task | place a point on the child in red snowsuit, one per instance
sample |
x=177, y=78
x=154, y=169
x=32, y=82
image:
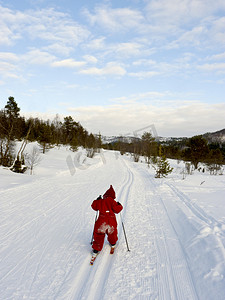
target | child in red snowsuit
x=106, y=222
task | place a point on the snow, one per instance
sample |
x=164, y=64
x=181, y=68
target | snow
x=175, y=230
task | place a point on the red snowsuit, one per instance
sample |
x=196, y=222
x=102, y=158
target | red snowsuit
x=106, y=222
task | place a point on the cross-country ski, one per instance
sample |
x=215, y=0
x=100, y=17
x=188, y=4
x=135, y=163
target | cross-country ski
x=93, y=258
x=94, y=255
x=112, y=250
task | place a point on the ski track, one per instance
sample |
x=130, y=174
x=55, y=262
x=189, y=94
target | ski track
x=175, y=270
x=204, y=218
x=163, y=274
x=172, y=267
x=46, y=251
x=209, y=232
x=91, y=280
x=196, y=221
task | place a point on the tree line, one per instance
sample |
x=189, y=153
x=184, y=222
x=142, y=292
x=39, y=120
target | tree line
x=147, y=147
x=194, y=150
x=198, y=149
x=14, y=127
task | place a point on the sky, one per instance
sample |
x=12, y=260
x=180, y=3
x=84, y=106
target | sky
x=116, y=66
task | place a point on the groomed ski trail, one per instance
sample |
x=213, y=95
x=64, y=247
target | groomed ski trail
x=91, y=280
x=177, y=248
x=160, y=268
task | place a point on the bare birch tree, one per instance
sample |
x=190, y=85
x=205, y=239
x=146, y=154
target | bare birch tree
x=33, y=158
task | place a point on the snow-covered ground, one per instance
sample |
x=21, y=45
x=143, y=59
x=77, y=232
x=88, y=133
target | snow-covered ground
x=175, y=230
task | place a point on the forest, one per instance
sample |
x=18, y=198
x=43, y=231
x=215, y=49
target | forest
x=14, y=127
x=193, y=151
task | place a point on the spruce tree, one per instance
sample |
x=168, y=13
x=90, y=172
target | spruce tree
x=148, y=146
x=163, y=167
x=11, y=108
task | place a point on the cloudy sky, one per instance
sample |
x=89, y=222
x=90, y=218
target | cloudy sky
x=116, y=66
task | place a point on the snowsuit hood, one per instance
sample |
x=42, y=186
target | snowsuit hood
x=110, y=193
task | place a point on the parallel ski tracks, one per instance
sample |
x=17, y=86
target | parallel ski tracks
x=197, y=220
x=208, y=222
x=90, y=281
x=172, y=264
x=205, y=218
x=176, y=267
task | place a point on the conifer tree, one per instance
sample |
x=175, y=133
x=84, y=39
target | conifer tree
x=11, y=108
x=197, y=150
x=163, y=167
x=45, y=136
x=148, y=146
x=8, y=131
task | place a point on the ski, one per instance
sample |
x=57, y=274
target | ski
x=112, y=250
x=93, y=258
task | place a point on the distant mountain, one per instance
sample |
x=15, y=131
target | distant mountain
x=215, y=137
x=115, y=139
x=211, y=137
x=131, y=139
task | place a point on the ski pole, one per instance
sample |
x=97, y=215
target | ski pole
x=99, y=197
x=124, y=233
x=96, y=216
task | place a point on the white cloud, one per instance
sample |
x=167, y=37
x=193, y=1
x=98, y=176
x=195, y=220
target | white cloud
x=90, y=58
x=220, y=56
x=59, y=49
x=8, y=56
x=114, y=20
x=111, y=68
x=54, y=26
x=69, y=63
x=217, y=67
x=185, y=119
x=144, y=74
x=152, y=95
x=9, y=67
x=170, y=25
x=150, y=68
x=144, y=62
x=47, y=25
x=4, y=66
x=118, y=50
x=96, y=44
x=217, y=31
x=169, y=12
x=182, y=11
x=36, y=56
x=181, y=23
x=8, y=33
x=193, y=37
x=9, y=70
x=128, y=49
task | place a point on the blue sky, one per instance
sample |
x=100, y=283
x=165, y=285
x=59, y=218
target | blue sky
x=116, y=66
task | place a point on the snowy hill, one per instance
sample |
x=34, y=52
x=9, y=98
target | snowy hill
x=175, y=230
x=217, y=136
